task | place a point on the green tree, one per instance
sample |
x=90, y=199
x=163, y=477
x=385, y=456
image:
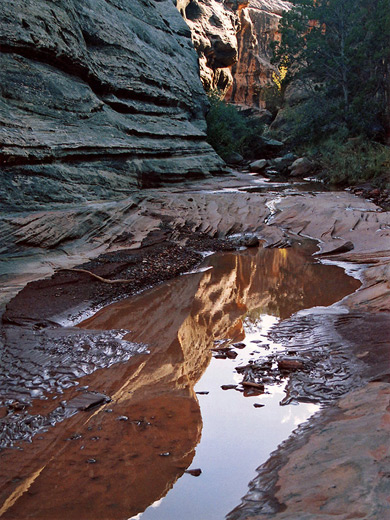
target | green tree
x=340, y=50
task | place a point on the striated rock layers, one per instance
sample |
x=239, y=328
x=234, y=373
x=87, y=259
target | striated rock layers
x=97, y=98
x=253, y=71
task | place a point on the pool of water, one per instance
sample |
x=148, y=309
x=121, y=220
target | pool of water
x=236, y=437
x=233, y=301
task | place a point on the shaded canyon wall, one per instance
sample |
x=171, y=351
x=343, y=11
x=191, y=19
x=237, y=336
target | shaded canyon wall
x=97, y=98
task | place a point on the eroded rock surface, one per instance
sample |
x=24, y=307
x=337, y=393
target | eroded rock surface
x=214, y=25
x=346, y=346
x=335, y=468
x=97, y=98
x=254, y=71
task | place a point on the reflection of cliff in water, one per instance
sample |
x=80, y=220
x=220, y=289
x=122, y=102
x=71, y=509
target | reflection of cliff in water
x=115, y=462
x=200, y=308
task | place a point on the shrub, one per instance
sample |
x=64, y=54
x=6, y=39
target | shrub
x=355, y=161
x=229, y=131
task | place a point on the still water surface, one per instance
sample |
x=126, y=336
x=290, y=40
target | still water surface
x=237, y=299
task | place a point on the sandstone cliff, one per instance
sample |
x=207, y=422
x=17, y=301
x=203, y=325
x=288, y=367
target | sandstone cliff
x=253, y=71
x=97, y=98
x=232, y=38
x=214, y=25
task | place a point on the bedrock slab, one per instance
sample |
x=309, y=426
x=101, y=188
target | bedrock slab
x=37, y=242
x=338, y=468
x=348, y=441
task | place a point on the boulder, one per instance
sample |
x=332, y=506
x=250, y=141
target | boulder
x=243, y=240
x=266, y=148
x=301, y=167
x=272, y=144
x=235, y=158
x=258, y=166
x=282, y=164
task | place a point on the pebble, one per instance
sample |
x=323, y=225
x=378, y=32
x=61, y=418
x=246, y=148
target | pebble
x=229, y=387
x=287, y=364
x=231, y=354
x=194, y=472
x=251, y=384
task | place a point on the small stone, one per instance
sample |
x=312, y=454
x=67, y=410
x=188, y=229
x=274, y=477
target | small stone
x=202, y=393
x=229, y=387
x=91, y=461
x=194, y=472
x=290, y=364
x=74, y=437
x=165, y=454
x=231, y=354
x=220, y=356
x=251, y=384
x=122, y=418
x=258, y=405
x=239, y=345
x=86, y=401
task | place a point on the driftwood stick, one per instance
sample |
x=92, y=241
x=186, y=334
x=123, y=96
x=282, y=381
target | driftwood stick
x=104, y=280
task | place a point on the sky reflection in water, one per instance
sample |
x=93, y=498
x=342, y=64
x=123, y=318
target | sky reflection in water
x=236, y=436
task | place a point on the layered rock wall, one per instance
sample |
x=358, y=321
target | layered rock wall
x=97, y=97
x=253, y=70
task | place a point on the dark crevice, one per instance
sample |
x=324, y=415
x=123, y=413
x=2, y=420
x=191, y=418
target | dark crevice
x=101, y=156
x=123, y=108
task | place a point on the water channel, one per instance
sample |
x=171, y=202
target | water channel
x=183, y=433
x=186, y=399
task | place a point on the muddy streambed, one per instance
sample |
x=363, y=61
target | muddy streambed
x=195, y=402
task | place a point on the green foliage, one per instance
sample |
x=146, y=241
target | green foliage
x=228, y=131
x=341, y=50
x=355, y=161
x=313, y=120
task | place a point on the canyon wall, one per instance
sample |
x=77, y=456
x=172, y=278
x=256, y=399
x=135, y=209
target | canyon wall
x=214, y=25
x=253, y=71
x=97, y=98
x=233, y=39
